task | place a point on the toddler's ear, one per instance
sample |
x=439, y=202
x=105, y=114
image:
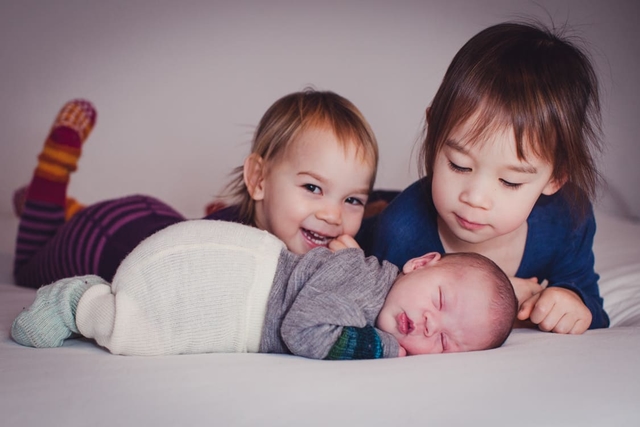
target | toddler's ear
x=553, y=186
x=420, y=262
x=253, y=173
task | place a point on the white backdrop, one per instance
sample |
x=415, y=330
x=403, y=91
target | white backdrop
x=179, y=85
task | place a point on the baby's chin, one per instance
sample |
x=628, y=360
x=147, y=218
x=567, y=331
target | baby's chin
x=416, y=352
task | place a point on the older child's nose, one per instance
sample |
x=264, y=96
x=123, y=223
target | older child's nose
x=477, y=194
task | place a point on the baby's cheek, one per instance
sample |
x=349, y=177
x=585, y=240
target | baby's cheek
x=419, y=346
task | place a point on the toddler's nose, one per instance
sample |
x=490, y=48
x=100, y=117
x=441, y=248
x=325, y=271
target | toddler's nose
x=331, y=213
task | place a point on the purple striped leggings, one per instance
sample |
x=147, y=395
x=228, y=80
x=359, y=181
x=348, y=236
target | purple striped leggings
x=94, y=241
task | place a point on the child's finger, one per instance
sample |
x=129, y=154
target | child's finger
x=343, y=241
x=580, y=326
x=546, y=314
x=336, y=245
x=527, y=306
x=565, y=324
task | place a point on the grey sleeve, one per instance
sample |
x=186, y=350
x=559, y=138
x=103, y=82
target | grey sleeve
x=348, y=290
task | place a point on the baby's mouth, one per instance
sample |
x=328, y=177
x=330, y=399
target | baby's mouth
x=315, y=238
x=405, y=324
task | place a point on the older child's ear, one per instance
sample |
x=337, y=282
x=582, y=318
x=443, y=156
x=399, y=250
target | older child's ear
x=253, y=174
x=420, y=262
x=553, y=186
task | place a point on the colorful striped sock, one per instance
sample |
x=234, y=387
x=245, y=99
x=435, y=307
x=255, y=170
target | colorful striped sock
x=61, y=151
x=43, y=206
x=71, y=206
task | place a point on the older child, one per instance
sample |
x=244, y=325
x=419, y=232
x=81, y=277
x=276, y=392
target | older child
x=508, y=160
x=215, y=286
x=312, y=164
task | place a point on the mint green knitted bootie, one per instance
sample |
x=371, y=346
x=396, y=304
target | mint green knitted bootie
x=52, y=317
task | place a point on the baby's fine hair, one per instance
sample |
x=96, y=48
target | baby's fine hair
x=287, y=119
x=504, y=303
x=529, y=78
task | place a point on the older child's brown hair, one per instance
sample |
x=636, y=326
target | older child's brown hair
x=523, y=76
x=287, y=118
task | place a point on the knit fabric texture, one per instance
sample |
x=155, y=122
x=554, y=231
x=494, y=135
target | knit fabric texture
x=357, y=343
x=51, y=318
x=194, y=287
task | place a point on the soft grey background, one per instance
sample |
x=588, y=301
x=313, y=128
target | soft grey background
x=179, y=85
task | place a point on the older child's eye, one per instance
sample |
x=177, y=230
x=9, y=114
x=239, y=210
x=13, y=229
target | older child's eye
x=312, y=188
x=354, y=201
x=457, y=168
x=512, y=185
x=440, y=299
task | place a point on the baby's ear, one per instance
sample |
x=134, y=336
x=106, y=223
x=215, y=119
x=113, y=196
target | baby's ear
x=253, y=174
x=421, y=262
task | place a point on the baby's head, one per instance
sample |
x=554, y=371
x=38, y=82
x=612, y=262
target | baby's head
x=312, y=165
x=449, y=303
x=534, y=83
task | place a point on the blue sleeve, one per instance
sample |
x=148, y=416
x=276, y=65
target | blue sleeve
x=406, y=229
x=574, y=270
x=560, y=250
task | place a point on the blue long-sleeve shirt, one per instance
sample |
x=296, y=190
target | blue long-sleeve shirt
x=558, y=249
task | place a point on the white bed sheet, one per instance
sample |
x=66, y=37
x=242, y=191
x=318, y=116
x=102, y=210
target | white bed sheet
x=535, y=379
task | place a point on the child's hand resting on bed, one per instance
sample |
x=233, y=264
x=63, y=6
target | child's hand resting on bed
x=557, y=310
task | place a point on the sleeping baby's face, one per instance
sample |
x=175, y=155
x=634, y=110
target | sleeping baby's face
x=432, y=308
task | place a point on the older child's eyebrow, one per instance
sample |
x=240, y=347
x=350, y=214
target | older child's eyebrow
x=456, y=145
x=521, y=168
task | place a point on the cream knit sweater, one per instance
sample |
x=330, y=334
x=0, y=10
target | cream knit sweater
x=195, y=287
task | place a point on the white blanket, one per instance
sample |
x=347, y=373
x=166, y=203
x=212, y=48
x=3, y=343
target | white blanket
x=535, y=379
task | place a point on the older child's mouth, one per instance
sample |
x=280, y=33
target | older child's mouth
x=405, y=325
x=468, y=225
x=315, y=238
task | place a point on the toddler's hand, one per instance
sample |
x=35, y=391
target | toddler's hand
x=343, y=242
x=402, y=352
x=558, y=310
x=525, y=288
